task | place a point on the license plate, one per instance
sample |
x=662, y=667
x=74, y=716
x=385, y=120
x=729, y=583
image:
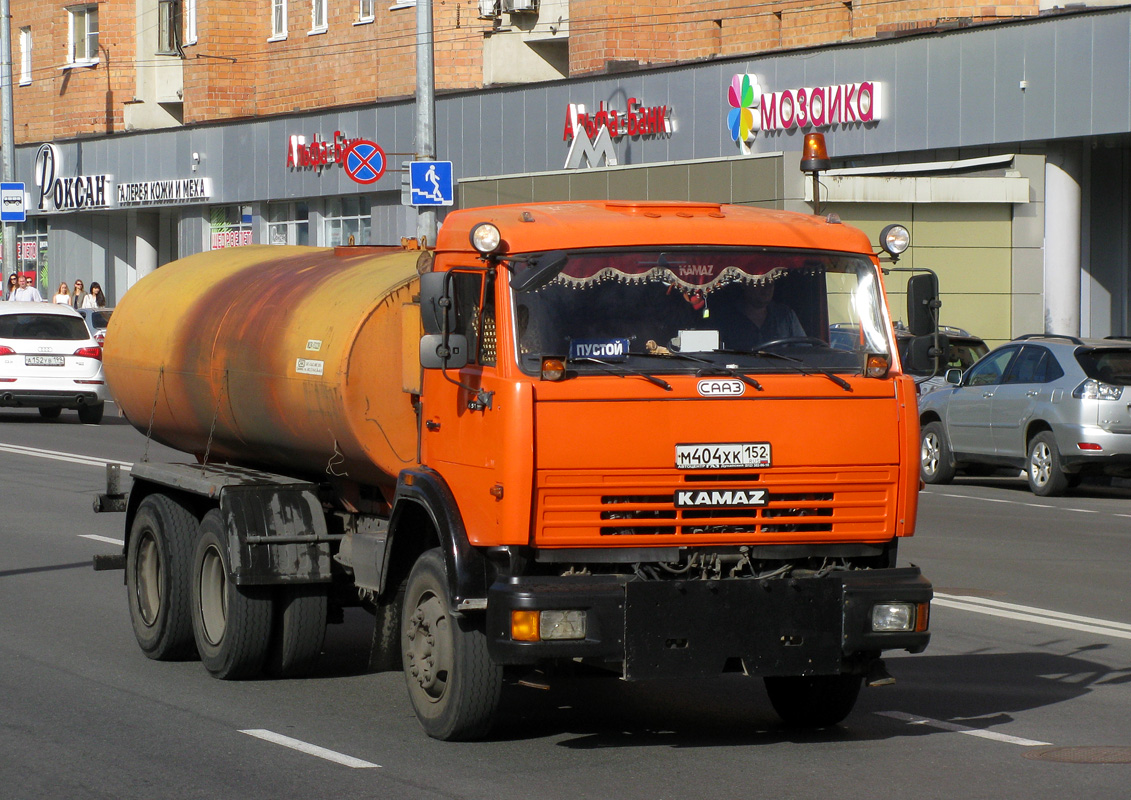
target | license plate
x=722, y=456
x=44, y=361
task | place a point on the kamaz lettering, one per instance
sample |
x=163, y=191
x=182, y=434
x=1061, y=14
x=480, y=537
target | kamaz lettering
x=725, y=498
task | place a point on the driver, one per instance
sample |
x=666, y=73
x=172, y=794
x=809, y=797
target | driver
x=758, y=318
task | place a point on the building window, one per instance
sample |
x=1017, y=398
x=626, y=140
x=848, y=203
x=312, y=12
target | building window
x=82, y=35
x=365, y=10
x=288, y=223
x=25, y=56
x=317, y=16
x=168, y=27
x=230, y=227
x=346, y=218
x=278, y=19
x=188, y=22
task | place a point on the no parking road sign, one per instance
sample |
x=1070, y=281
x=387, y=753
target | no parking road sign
x=365, y=161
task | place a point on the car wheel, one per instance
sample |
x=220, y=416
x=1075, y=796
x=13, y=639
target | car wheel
x=935, y=464
x=1046, y=478
x=91, y=415
x=50, y=413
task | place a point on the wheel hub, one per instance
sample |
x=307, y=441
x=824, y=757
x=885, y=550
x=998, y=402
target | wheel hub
x=426, y=650
x=1040, y=466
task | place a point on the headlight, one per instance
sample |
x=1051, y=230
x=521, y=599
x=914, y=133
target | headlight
x=535, y=626
x=486, y=238
x=893, y=617
x=894, y=239
x=1097, y=390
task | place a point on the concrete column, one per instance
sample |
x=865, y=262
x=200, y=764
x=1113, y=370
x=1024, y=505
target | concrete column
x=144, y=232
x=1062, y=243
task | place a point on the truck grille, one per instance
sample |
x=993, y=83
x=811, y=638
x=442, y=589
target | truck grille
x=801, y=506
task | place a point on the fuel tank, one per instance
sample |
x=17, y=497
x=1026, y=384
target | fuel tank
x=288, y=359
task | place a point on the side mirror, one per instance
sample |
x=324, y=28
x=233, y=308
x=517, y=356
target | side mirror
x=434, y=354
x=922, y=303
x=922, y=356
x=435, y=302
x=540, y=271
x=954, y=375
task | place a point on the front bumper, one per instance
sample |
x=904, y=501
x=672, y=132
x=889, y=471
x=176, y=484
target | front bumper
x=699, y=628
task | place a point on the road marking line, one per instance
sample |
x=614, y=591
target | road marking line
x=912, y=719
x=98, y=538
x=1020, y=503
x=1055, y=619
x=55, y=455
x=310, y=749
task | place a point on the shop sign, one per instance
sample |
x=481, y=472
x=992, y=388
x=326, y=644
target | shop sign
x=167, y=192
x=319, y=153
x=232, y=238
x=752, y=110
x=58, y=193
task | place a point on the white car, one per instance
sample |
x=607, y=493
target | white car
x=50, y=360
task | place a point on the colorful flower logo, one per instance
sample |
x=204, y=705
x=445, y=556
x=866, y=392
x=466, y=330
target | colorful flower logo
x=743, y=97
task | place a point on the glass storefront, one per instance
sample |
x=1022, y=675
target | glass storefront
x=347, y=218
x=288, y=223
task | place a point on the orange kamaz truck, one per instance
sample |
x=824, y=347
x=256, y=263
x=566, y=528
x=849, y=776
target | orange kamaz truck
x=666, y=440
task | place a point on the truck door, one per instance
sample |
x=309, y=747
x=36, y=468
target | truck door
x=471, y=430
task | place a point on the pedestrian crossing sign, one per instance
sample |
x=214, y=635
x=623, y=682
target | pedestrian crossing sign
x=430, y=183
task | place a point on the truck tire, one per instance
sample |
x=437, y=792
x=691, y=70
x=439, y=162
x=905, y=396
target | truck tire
x=299, y=630
x=385, y=649
x=231, y=624
x=91, y=415
x=50, y=412
x=935, y=464
x=454, y=686
x=158, y=560
x=813, y=702
x=1046, y=478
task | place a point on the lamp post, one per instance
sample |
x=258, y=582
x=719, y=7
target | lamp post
x=425, y=111
x=8, y=132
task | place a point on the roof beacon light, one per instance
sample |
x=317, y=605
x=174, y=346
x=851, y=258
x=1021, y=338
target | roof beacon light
x=814, y=158
x=486, y=238
x=814, y=154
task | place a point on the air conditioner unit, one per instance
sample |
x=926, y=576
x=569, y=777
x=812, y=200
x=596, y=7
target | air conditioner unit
x=488, y=9
x=520, y=6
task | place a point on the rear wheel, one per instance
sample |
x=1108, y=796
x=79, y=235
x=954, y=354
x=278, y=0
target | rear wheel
x=299, y=630
x=1046, y=478
x=51, y=412
x=813, y=702
x=91, y=415
x=231, y=624
x=454, y=686
x=158, y=565
x=936, y=464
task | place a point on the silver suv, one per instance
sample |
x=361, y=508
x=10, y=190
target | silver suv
x=1055, y=406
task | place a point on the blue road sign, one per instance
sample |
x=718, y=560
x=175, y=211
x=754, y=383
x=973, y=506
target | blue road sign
x=430, y=183
x=12, y=203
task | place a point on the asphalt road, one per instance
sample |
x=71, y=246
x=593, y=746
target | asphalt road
x=1023, y=685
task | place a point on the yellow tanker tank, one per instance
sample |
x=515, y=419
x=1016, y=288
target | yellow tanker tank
x=286, y=358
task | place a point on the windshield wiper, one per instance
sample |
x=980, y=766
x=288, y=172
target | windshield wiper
x=799, y=365
x=622, y=370
x=722, y=368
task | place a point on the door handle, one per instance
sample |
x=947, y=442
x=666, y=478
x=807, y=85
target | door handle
x=987, y=394
x=1032, y=393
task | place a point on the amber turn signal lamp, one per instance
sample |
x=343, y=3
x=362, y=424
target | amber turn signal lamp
x=524, y=625
x=922, y=617
x=877, y=366
x=553, y=369
x=814, y=154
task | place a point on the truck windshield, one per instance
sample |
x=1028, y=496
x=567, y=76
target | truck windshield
x=739, y=307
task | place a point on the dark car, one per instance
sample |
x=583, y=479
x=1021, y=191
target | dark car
x=963, y=351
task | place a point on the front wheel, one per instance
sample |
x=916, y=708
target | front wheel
x=454, y=686
x=935, y=462
x=1046, y=478
x=231, y=624
x=813, y=702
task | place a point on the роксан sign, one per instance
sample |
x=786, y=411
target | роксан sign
x=58, y=193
